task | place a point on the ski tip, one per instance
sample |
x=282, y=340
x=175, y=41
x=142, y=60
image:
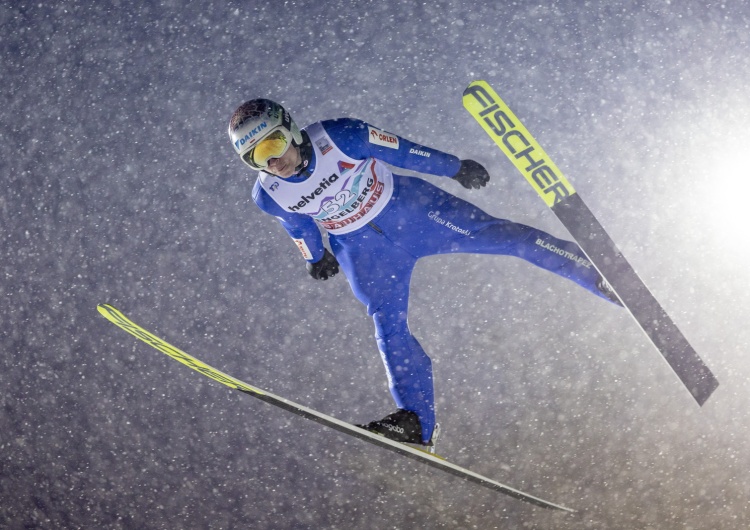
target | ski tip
x=110, y=312
x=105, y=309
x=473, y=84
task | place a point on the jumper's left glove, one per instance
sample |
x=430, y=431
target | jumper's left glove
x=472, y=175
x=324, y=268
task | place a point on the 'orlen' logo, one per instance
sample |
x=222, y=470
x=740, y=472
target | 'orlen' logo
x=250, y=135
x=302, y=246
x=383, y=138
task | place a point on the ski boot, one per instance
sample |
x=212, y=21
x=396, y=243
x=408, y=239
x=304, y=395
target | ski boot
x=403, y=426
x=606, y=289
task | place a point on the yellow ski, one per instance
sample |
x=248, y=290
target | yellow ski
x=507, y=131
x=119, y=319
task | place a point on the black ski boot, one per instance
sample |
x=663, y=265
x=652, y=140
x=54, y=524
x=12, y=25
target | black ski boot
x=402, y=426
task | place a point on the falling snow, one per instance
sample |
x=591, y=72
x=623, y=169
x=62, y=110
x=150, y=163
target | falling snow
x=121, y=186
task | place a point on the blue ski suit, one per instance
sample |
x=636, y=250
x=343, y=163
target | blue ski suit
x=379, y=224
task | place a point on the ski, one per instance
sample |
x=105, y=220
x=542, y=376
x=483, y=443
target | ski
x=119, y=319
x=526, y=154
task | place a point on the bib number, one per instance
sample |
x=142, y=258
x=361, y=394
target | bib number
x=338, y=202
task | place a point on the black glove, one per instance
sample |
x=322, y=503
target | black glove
x=472, y=175
x=325, y=268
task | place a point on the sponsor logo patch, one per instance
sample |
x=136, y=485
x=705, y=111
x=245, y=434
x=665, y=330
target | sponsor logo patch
x=383, y=138
x=323, y=145
x=302, y=246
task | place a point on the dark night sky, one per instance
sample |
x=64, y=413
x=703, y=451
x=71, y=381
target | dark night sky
x=122, y=187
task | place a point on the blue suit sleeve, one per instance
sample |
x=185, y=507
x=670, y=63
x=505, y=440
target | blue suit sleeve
x=301, y=228
x=361, y=140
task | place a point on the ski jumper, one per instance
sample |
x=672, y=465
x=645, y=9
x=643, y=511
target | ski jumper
x=379, y=224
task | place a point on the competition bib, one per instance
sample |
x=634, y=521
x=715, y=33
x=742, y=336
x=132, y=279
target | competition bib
x=342, y=194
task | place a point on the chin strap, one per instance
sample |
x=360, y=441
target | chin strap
x=305, y=153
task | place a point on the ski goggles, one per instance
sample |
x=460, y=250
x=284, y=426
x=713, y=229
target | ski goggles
x=272, y=146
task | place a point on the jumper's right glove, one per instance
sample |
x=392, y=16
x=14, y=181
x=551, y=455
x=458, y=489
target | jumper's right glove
x=472, y=175
x=324, y=268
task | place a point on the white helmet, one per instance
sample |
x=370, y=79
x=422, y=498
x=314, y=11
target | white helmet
x=257, y=120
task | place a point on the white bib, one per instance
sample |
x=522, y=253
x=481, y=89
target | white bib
x=342, y=194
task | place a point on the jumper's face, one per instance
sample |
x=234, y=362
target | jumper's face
x=285, y=165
